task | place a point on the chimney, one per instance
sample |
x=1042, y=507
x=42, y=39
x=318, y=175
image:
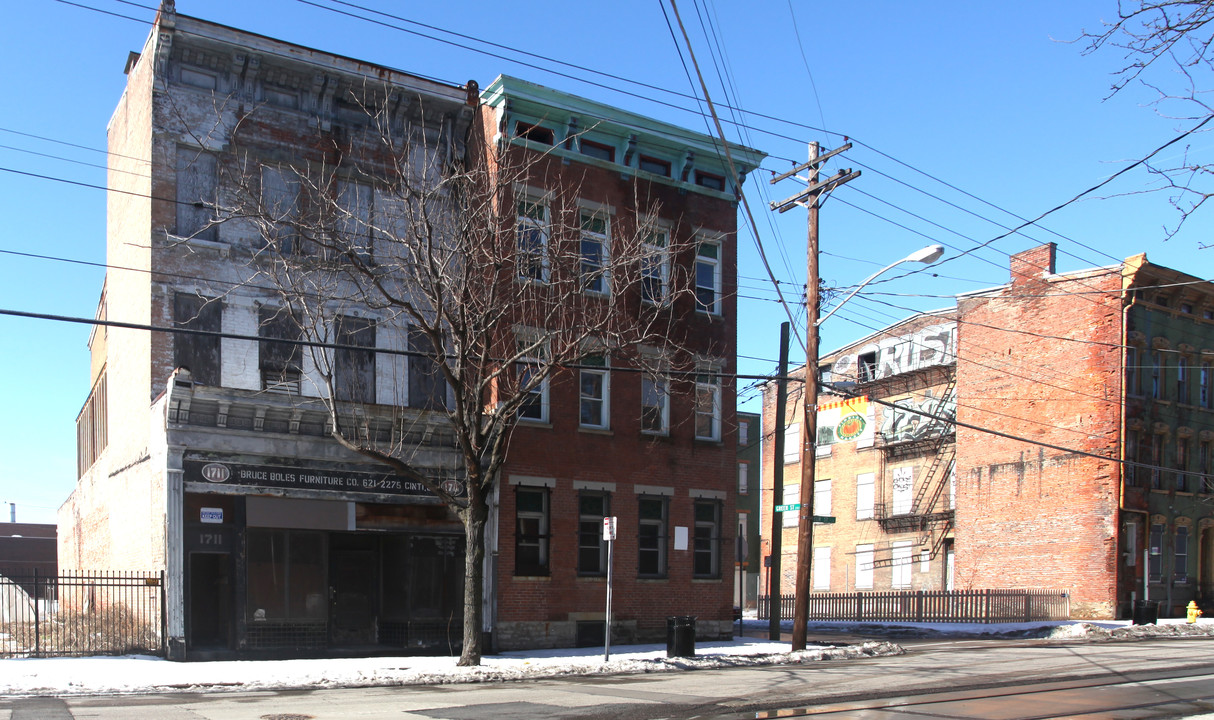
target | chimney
x=1033, y=264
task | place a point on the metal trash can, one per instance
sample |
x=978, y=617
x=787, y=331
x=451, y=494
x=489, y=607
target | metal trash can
x=1146, y=612
x=681, y=636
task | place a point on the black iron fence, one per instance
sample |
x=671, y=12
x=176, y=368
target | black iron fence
x=96, y=613
x=948, y=606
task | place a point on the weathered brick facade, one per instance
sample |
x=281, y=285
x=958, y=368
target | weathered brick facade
x=1083, y=443
x=881, y=539
x=201, y=457
x=1040, y=359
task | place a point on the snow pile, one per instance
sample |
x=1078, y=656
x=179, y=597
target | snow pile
x=143, y=674
x=1094, y=631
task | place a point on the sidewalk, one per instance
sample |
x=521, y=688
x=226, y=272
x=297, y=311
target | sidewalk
x=142, y=674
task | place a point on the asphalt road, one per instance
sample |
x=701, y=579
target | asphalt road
x=1005, y=680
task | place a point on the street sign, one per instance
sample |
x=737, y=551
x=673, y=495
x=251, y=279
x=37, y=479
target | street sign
x=823, y=519
x=787, y=508
x=609, y=528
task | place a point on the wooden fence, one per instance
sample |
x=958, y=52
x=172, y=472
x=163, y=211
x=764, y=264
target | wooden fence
x=941, y=606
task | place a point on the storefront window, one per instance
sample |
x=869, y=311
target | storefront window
x=286, y=576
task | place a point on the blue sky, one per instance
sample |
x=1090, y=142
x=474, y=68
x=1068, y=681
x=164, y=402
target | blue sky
x=988, y=97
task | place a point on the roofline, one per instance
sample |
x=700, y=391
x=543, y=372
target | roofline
x=199, y=27
x=886, y=330
x=506, y=86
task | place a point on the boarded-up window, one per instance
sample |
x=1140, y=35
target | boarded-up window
x=821, y=569
x=901, y=564
x=904, y=487
x=197, y=353
x=354, y=370
x=280, y=202
x=355, y=209
x=196, y=193
x=279, y=361
x=427, y=387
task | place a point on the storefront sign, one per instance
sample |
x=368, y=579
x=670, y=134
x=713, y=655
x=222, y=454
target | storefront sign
x=304, y=478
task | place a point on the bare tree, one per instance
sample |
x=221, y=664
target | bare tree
x=1166, y=47
x=486, y=268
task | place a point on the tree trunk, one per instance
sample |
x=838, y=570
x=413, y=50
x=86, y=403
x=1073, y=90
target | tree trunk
x=474, y=582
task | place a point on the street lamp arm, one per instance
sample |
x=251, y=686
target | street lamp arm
x=927, y=255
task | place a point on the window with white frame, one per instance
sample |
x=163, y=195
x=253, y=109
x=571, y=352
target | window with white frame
x=925, y=561
x=595, y=246
x=792, y=496
x=594, y=391
x=743, y=432
x=822, y=497
x=706, y=551
x=708, y=403
x=651, y=539
x=865, y=494
x=864, y=567
x=821, y=570
x=655, y=404
x=532, y=381
x=531, y=536
x=655, y=267
x=197, y=187
x=592, y=548
x=532, y=237
x=708, y=277
x=901, y=564
x=743, y=478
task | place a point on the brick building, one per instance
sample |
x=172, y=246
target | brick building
x=887, y=484
x=206, y=452
x=1097, y=385
x=749, y=499
x=1110, y=362
x=671, y=440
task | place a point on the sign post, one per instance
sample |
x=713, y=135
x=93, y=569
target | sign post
x=609, y=536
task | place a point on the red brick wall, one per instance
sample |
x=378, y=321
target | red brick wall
x=1040, y=360
x=624, y=455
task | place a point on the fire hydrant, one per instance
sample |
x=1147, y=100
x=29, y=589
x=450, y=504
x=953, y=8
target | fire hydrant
x=1193, y=612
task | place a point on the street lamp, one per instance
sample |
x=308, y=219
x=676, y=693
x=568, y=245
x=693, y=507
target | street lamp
x=927, y=256
x=809, y=423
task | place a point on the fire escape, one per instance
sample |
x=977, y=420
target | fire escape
x=930, y=512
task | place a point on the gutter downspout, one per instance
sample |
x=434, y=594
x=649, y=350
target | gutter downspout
x=1126, y=282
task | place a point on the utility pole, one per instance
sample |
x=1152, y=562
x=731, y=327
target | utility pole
x=811, y=199
x=774, y=577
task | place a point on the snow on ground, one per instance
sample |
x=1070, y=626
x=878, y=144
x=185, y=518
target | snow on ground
x=143, y=674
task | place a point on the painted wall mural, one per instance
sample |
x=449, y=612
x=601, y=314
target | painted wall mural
x=901, y=424
x=934, y=345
